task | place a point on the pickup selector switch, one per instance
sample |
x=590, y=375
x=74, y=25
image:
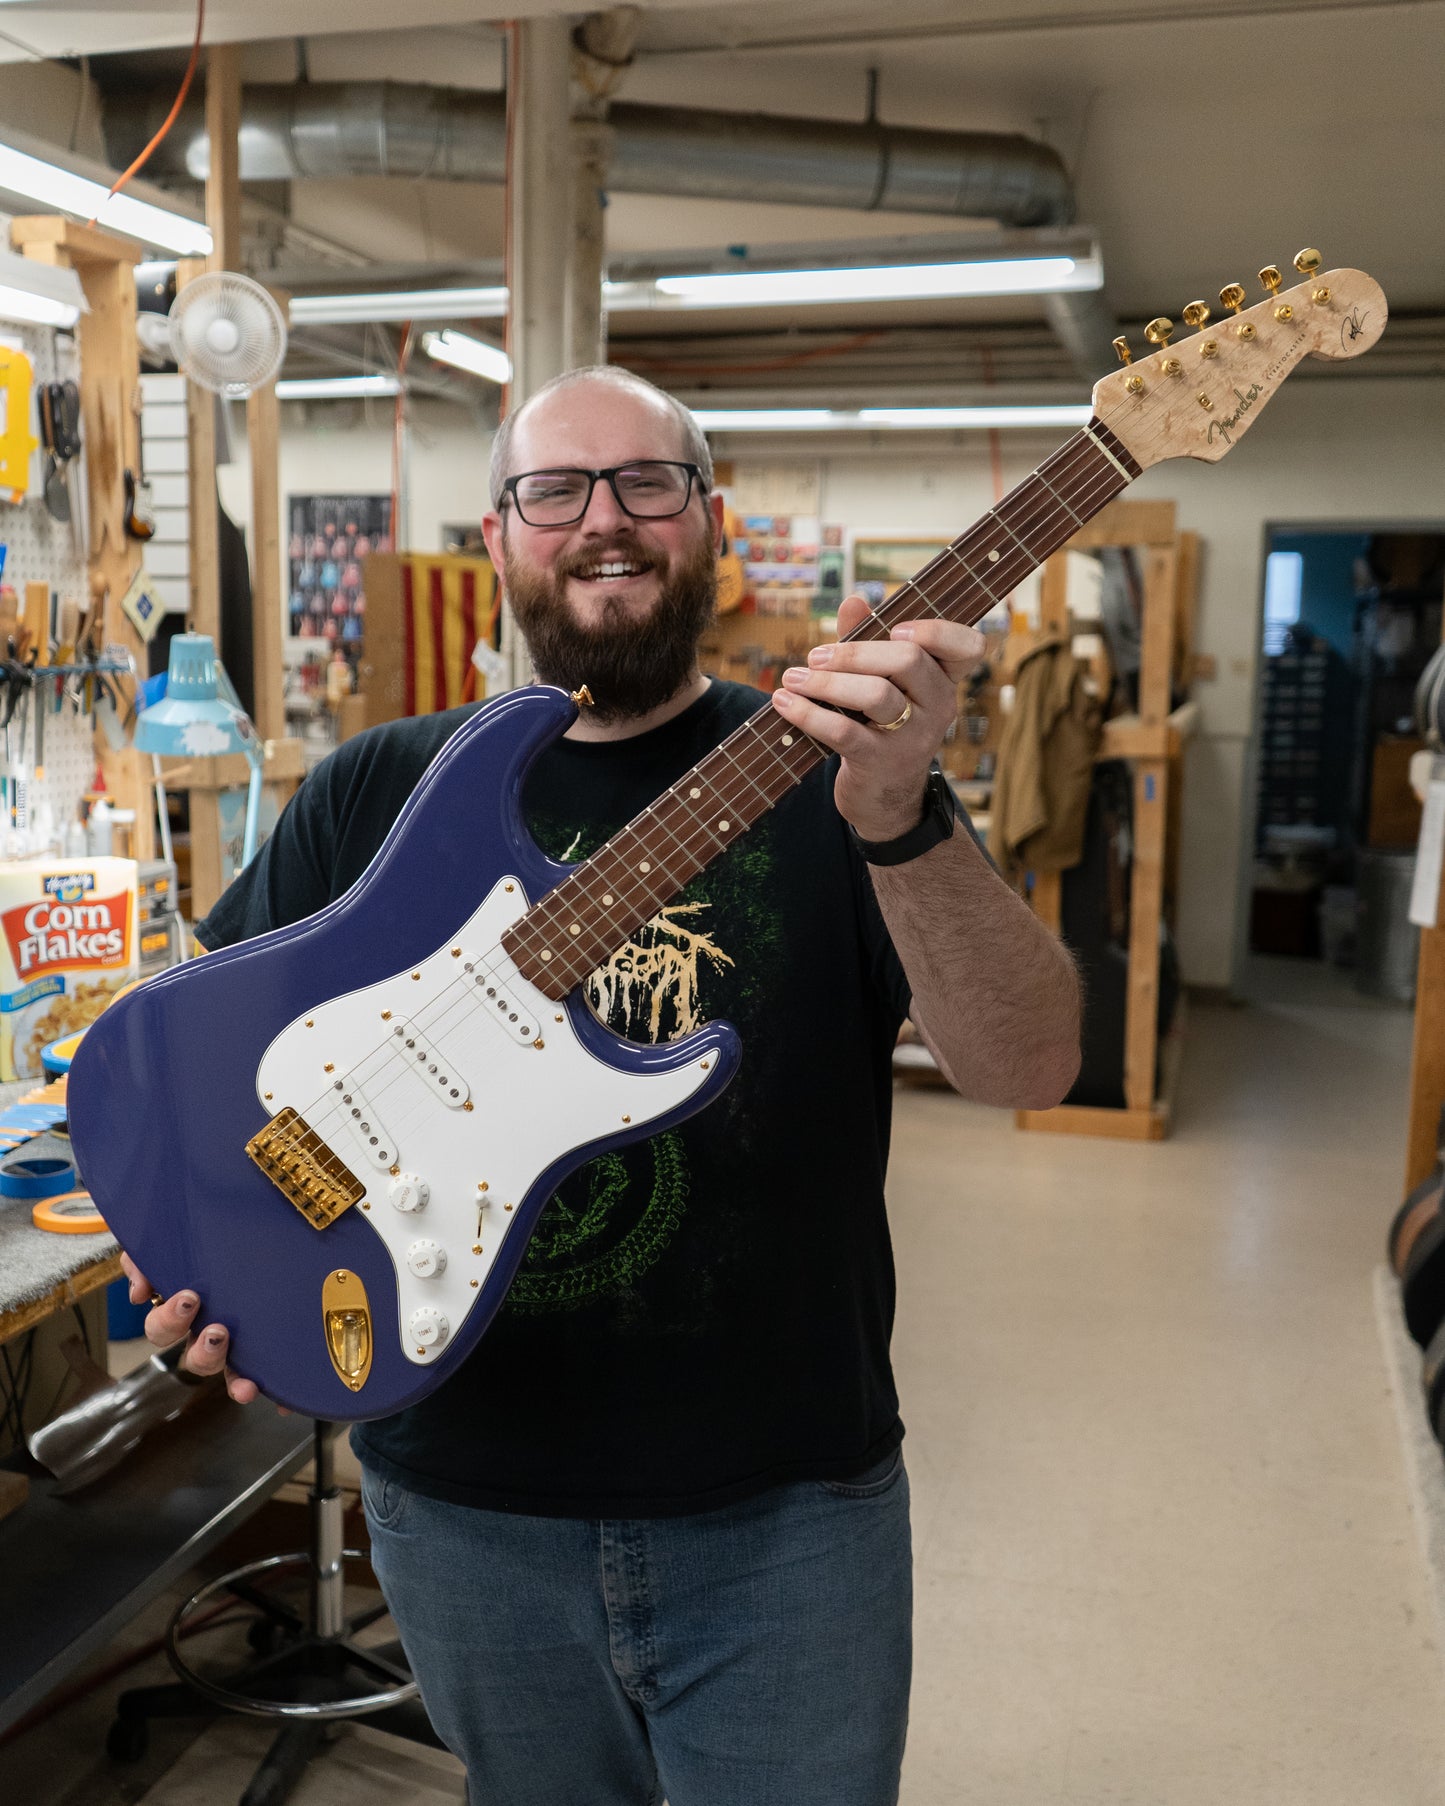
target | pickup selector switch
x=408, y=1192
x=429, y=1327
x=426, y=1259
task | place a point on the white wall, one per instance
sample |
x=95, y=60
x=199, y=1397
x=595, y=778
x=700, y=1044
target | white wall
x=344, y=448
x=1338, y=450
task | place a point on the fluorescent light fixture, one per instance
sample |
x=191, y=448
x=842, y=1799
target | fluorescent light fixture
x=407, y=304
x=884, y=282
x=39, y=294
x=841, y=420
x=53, y=186
x=467, y=353
x=977, y=418
x=335, y=388
x=770, y=420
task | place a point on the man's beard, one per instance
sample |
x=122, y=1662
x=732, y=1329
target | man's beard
x=630, y=665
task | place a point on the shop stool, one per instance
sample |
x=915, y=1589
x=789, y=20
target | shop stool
x=309, y=1672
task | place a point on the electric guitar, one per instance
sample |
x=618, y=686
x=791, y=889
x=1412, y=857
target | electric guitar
x=341, y=1134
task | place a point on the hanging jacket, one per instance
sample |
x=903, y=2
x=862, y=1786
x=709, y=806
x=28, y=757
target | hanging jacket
x=1045, y=764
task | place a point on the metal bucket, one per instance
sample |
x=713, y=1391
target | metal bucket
x=1387, y=948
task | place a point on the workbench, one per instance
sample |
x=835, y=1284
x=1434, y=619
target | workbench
x=75, y=1569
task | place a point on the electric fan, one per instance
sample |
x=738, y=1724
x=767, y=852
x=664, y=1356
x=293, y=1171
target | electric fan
x=226, y=333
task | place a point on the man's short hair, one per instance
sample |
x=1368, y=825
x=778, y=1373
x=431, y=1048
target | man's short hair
x=694, y=441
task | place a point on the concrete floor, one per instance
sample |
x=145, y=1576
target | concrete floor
x=1164, y=1546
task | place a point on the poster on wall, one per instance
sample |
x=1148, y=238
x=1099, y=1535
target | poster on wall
x=329, y=537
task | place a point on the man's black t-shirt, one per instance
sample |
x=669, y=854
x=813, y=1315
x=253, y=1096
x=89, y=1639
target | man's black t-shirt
x=707, y=1313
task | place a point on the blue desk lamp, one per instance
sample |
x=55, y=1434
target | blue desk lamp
x=198, y=715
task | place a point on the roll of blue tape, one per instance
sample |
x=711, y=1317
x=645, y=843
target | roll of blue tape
x=29, y=1173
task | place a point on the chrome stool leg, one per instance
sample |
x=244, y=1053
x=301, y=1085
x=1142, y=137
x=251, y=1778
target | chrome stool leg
x=316, y=1673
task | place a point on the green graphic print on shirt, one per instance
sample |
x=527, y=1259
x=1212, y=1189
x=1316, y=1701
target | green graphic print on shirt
x=609, y=1222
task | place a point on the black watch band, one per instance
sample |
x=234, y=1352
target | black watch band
x=939, y=814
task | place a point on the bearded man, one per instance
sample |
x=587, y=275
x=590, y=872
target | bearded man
x=652, y=1536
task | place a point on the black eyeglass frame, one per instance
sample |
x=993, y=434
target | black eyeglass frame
x=694, y=476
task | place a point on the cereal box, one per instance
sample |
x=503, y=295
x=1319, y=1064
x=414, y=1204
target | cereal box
x=69, y=945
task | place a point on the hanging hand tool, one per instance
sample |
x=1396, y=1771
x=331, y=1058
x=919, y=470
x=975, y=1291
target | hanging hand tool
x=55, y=489
x=65, y=417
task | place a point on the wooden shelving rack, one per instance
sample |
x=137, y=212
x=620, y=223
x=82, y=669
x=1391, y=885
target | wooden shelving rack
x=1154, y=741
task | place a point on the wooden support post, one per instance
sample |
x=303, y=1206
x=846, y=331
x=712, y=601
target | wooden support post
x=109, y=375
x=110, y=429
x=202, y=503
x=1152, y=739
x=223, y=172
x=1151, y=815
x=263, y=439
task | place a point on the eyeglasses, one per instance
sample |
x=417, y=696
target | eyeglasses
x=649, y=490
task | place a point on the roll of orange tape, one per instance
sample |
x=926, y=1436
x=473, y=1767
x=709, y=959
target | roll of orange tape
x=72, y=1213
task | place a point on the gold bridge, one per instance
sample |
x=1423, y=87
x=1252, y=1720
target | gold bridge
x=295, y=1158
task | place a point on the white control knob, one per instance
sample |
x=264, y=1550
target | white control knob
x=408, y=1192
x=429, y=1327
x=426, y=1259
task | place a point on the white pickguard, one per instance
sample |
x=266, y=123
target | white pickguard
x=529, y=1104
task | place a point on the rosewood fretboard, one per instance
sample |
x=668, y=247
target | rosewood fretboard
x=609, y=896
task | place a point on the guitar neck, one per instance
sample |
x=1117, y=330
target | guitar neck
x=608, y=897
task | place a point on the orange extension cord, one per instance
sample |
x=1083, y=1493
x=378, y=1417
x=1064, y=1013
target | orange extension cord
x=171, y=117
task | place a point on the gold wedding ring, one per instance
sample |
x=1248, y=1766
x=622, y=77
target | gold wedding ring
x=892, y=727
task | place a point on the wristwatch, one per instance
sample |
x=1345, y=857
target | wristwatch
x=939, y=814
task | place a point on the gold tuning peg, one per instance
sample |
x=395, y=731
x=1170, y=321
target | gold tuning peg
x=1196, y=314
x=1271, y=278
x=1232, y=297
x=1307, y=262
x=1122, y=351
x=1158, y=331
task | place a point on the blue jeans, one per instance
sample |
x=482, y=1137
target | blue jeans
x=759, y=1655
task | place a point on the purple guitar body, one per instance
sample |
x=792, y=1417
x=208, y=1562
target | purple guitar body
x=359, y=1249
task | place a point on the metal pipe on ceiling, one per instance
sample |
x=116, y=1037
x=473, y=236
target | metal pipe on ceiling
x=348, y=129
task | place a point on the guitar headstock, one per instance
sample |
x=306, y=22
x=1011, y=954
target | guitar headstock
x=1198, y=397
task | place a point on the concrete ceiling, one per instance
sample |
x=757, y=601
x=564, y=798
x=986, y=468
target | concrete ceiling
x=1202, y=144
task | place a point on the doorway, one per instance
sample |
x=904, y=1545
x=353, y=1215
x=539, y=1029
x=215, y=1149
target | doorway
x=1350, y=619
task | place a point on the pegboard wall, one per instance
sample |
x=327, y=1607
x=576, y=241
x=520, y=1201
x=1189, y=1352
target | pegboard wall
x=40, y=549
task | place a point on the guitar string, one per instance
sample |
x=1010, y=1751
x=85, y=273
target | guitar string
x=432, y=1023
x=533, y=937
x=435, y=1026
x=643, y=826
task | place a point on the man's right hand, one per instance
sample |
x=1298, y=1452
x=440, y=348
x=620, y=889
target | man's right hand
x=174, y=1319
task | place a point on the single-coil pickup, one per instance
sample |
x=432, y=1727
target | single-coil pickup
x=430, y=1064
x=494, y=994
x=361, y=1118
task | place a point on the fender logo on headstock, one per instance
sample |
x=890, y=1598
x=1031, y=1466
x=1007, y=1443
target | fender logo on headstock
x=1226, y=423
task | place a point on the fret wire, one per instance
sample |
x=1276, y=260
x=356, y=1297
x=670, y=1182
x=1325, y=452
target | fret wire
x=644, y=898
x=1092, y=467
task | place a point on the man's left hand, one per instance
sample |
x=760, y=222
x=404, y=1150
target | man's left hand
x=916, y=669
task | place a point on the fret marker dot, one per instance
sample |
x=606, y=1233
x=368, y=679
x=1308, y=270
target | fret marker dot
x=608, y=901
x=694, y=793
x=993, y=557
x=576, y=928
x=546, y=954
x=787, y=739
x=723, y=826
x=644, y=867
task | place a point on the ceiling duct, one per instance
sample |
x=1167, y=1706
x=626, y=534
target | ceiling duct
x=349, y=129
